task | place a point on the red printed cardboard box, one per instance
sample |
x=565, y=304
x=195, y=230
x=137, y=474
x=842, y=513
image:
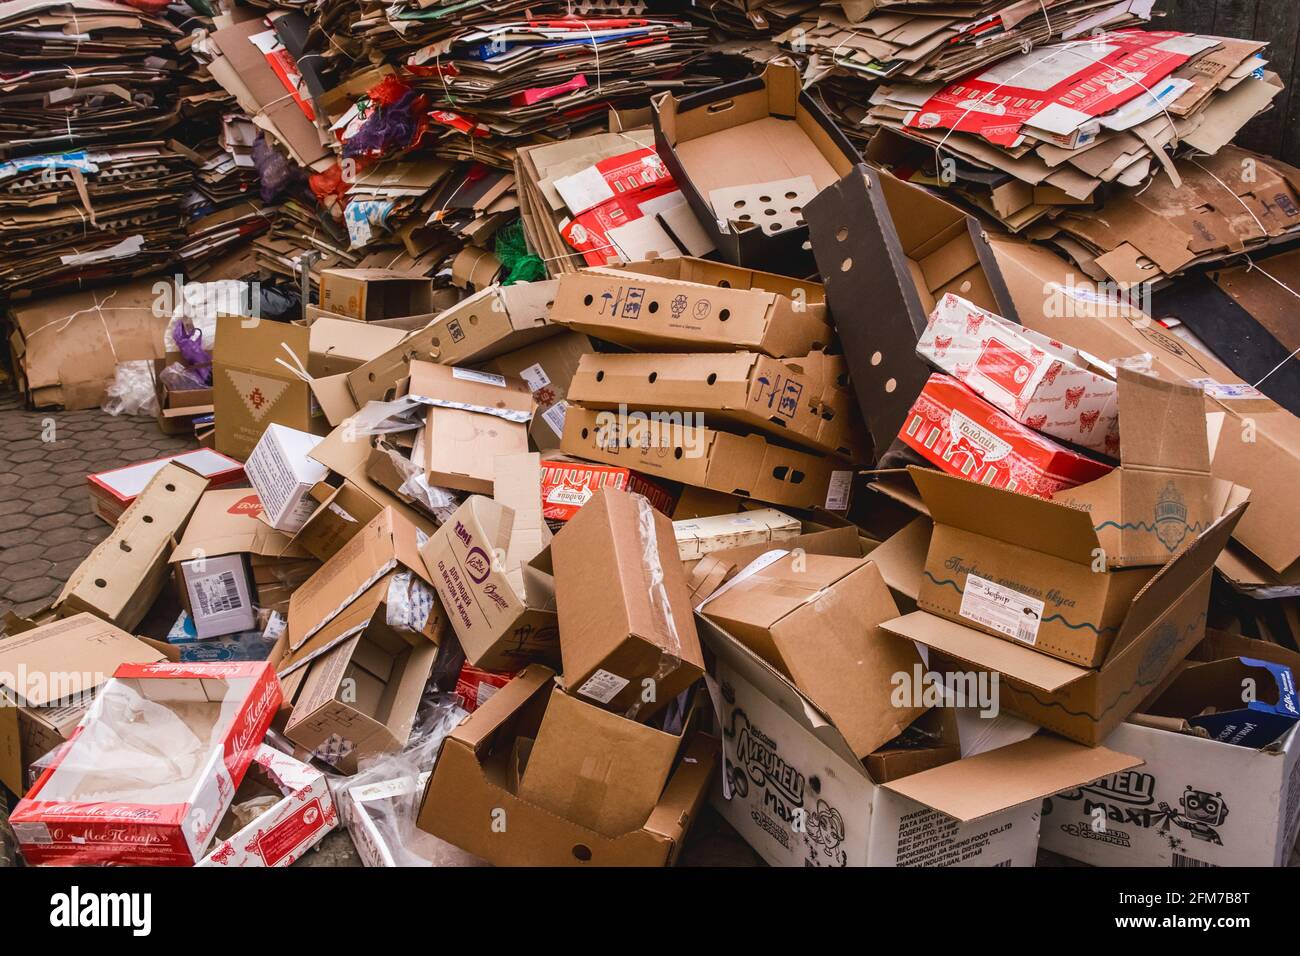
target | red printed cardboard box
x=568, y=484
x=288, y=828
x=1052, y=388
x=965, y=436
x=152, y=768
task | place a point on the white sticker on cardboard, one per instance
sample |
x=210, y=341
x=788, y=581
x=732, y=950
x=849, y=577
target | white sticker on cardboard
x=603, y=686
x=1226, y=390
x=1006, y=611
x=554, y=416
x=536, y=377
x=217, y=594
x=837, y=492
x=483, y=378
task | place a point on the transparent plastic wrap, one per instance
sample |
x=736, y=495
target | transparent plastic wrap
x=379, y=803
x=670, y=658
x=179, y=377
x=401, y=415
x=132, y=390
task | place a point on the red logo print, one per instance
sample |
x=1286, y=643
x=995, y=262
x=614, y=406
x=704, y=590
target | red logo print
x=1072, y=396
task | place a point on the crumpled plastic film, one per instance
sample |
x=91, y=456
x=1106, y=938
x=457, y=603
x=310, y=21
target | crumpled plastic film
x=382, y=418
x=1142, y=362
x=670, y=658
x=392, y=786
x=132, y=390
x=438, y=501
x=409, y=602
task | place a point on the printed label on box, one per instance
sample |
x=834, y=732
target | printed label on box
x=483, y=378
x=1006, y=611
x=536, y=378
x=217, y=594
x=603, y=686
x=837, y=492
x=554, y=416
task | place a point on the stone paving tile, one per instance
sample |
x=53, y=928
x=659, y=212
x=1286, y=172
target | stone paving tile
x=46, y=525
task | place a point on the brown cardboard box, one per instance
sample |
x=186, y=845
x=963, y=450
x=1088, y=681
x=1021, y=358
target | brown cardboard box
x=548, y=368
x=598, y=769
x=816, y=619
x=627, y=634
x=1162, y=494
x=226, y=522
x=340, y=345
x=747, y=465
x=473, y=418
x=176, y=409
x=888, y=251
x=123, y=576
x=494, y=321
x=370, y=294
x=49, y=675
x=467, y=793
x=805, y=401
x=1256, y=443
x=749, y=156
x=251, y=389
x=503, y=621
x=387, y=543
x=690, y=305
x=697, y=537
x=360, y=697
x=66, y=347
x=1163, y=622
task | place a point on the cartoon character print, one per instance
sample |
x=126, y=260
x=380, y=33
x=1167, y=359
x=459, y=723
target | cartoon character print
x=223, y=853
x=1201, y=812
x=1036, y=421
x=941, y=344
x=1053, y=370
x=1088, y=420
x=973, y=322
x=1072, y=397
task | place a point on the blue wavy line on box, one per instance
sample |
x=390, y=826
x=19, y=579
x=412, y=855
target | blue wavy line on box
x=1053, y=617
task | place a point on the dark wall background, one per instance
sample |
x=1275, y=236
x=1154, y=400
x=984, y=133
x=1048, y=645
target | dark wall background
x=1277, y=132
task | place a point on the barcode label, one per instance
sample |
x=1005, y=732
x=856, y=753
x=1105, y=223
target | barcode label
x=554, y=416
x=602, y=686
x=1180, y=860
x=217, y=594
x=1000, y=608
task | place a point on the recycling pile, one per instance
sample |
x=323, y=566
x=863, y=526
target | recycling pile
x=849, y=434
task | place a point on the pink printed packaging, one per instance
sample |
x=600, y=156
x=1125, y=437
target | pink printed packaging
x=1045, y=385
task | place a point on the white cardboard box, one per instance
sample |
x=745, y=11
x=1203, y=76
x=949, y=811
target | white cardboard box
x=286, y=830
x=796, y=793
x=219, y=595
x=282, y=474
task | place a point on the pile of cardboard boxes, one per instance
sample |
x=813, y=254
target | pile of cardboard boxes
x=784, y=496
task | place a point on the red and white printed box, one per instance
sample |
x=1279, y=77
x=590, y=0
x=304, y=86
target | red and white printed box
x=152, y=767
x=568, y=485
x=1044, y=384
x=111, y=492
x=475, y=686
x=288, y=829
x=965, y=436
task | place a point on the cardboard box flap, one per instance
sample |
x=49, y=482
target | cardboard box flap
x=501, y=706
x=1171, y=581
x=226, y=522
x=95, y=645
x=987, y=652
x=1002, y=515
x=1000, y=779
x=671, y=816
x=453, y=387
x=259, y=345
x=346, y=624
x=1165, y=424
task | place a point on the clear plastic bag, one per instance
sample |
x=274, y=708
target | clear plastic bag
x=132, y=390
x=179, y=377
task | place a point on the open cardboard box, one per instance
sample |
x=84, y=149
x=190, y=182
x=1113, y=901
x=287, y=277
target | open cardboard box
x=282, y=833
x=494, y=321
x=470, y=788
x=888, y=251
x=160, y=813
x=690, y=305
x=805, y=401
x=337, y=346
x=786, y=761
x=747, y=466
x=112, y=491
x=41, y=699
x=749, y=156
x=1157, y=624
x=1194, y=802
x=548, y=366
x=370, y=294
x=1254, y=441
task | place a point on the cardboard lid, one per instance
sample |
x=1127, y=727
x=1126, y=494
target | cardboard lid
x=482, y=391
x=259, y=345
x=1009, y=776
x=1002, y=515
x=226, y=521
x=1162, y=425
x=985, y=651
x=502, y=705
x=82, y=650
